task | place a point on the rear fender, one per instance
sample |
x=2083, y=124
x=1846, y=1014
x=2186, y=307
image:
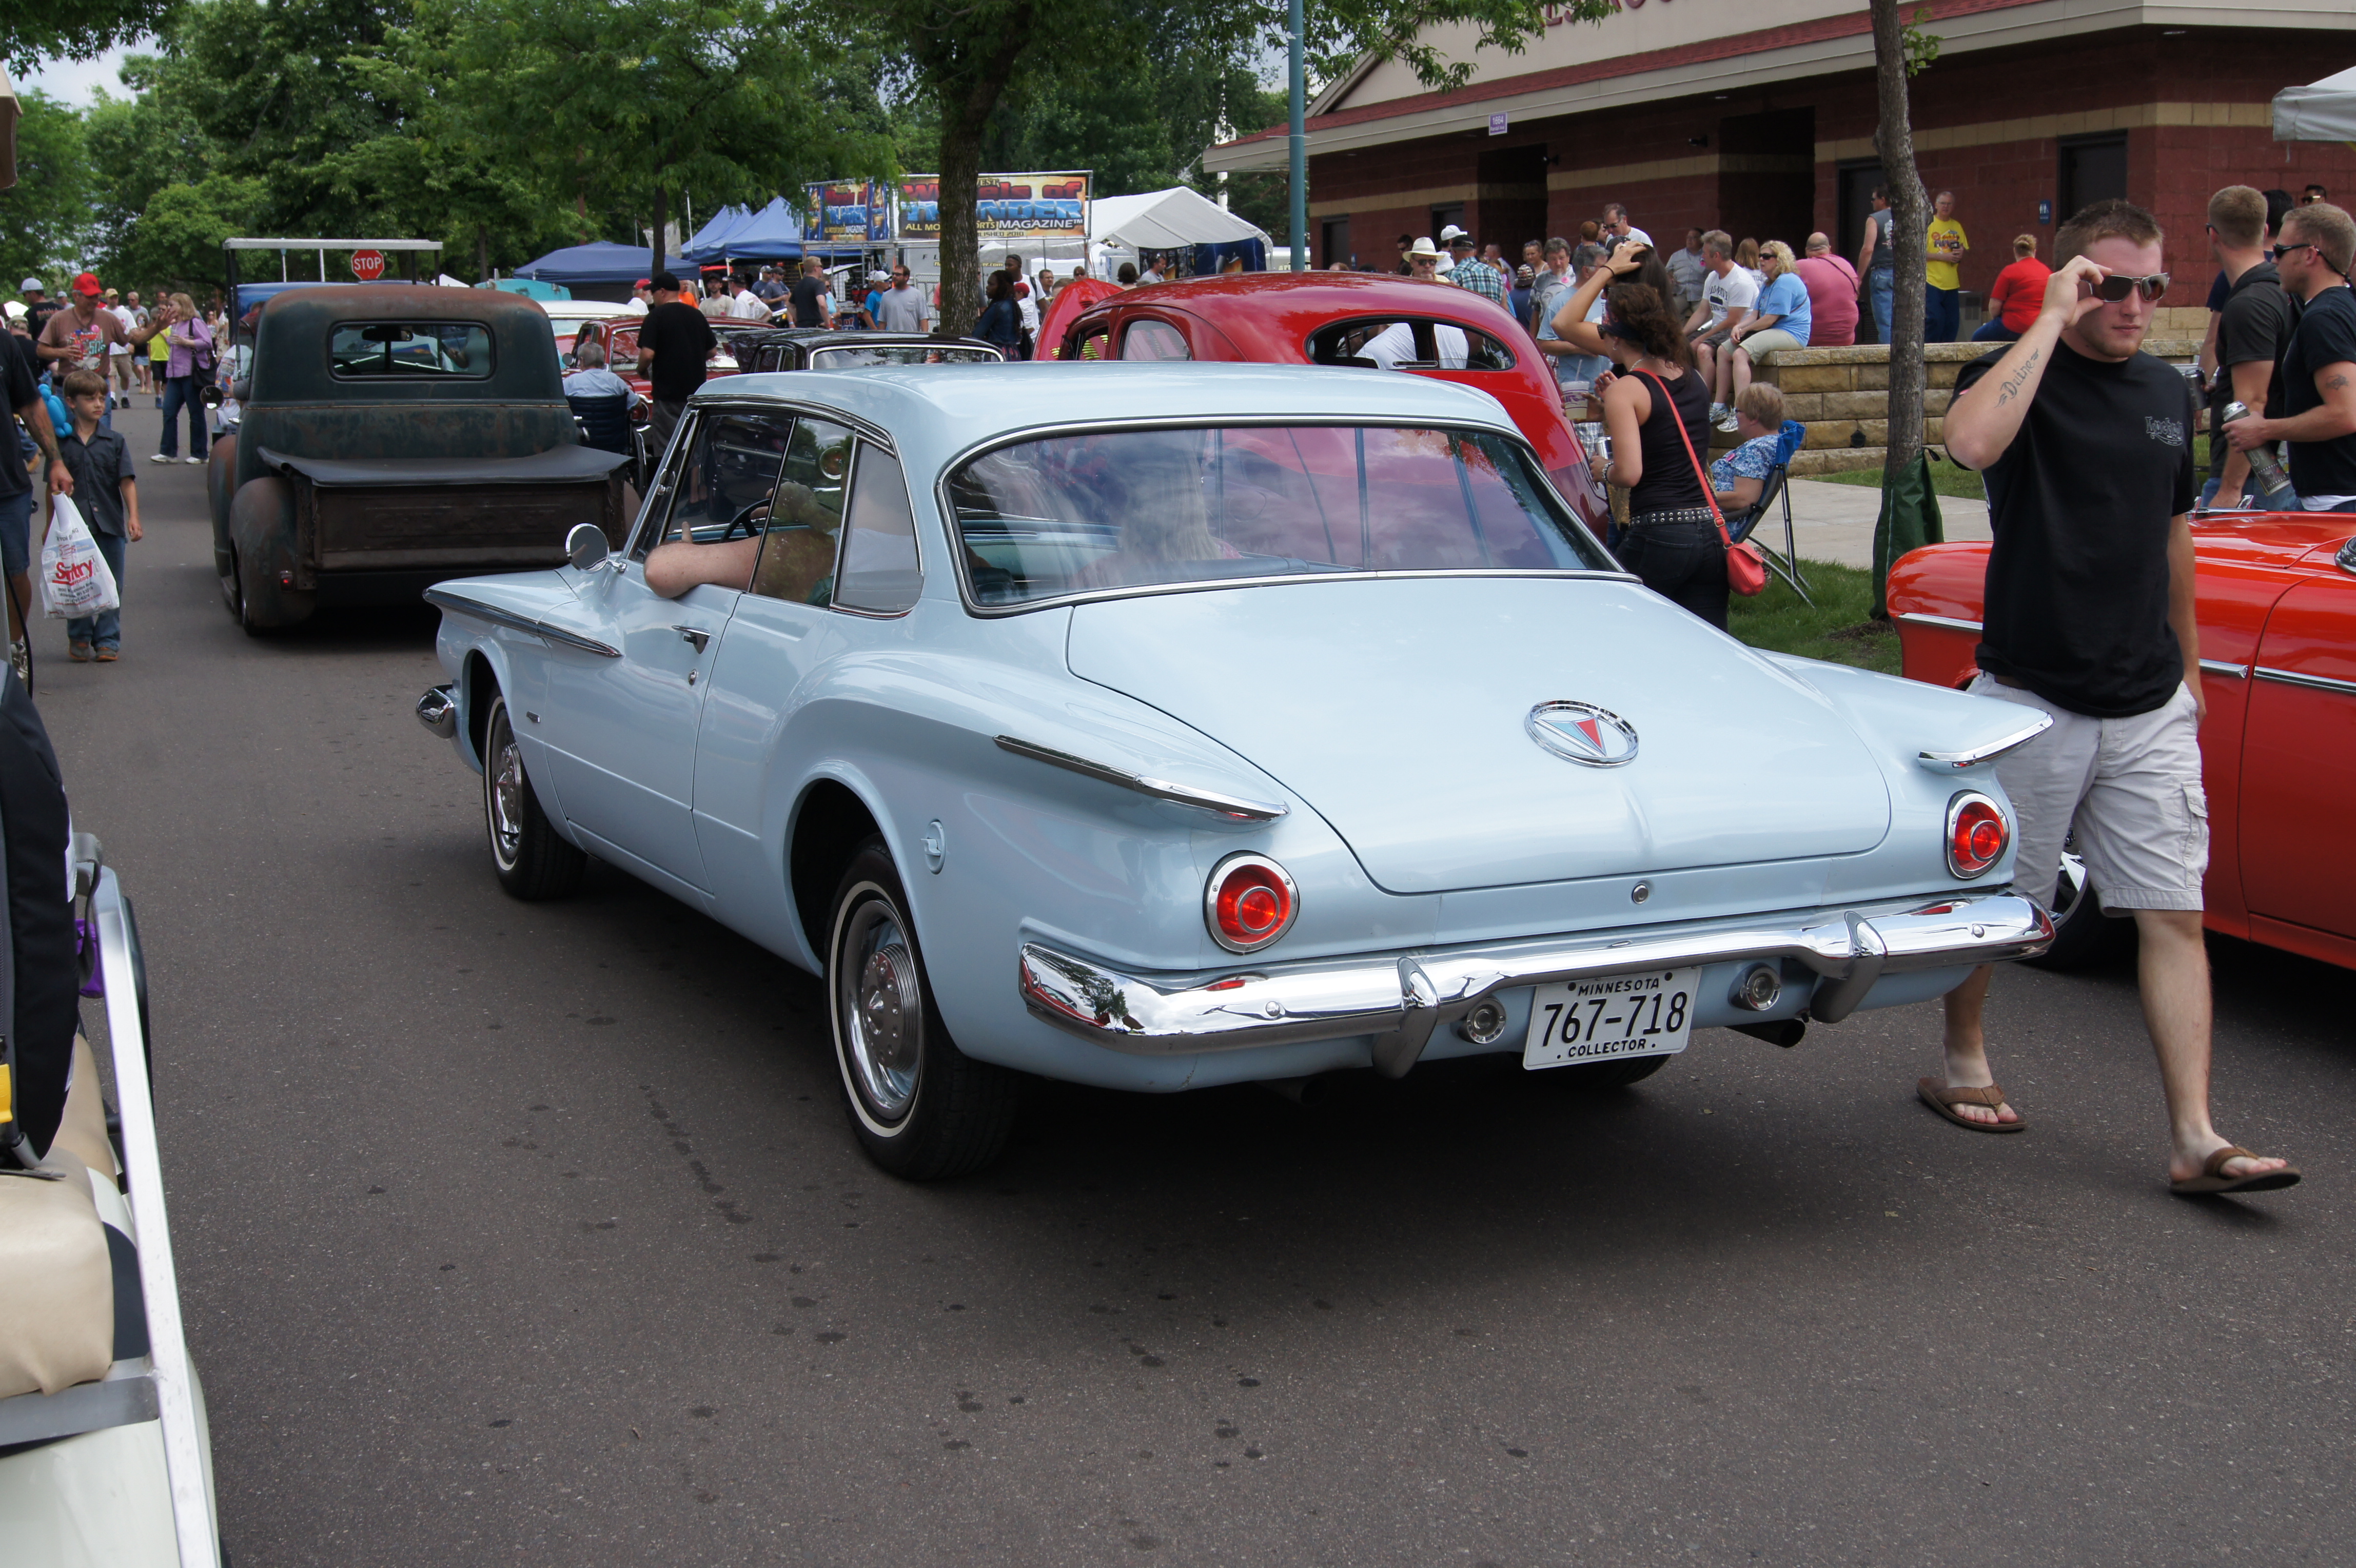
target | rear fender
x=220, y=484
x=262, y=531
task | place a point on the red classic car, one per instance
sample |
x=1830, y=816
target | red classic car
x=2277, y=602
x=1364, y=320
x=622, y=354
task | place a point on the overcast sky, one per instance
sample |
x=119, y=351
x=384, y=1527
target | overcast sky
x=75, y=81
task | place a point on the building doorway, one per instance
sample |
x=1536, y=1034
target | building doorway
x=1442, y=215
x=1858, y=179
x=1767, y=183
x=2092, y=168
x=1334, y=242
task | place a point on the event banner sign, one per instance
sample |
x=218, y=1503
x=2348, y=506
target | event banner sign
x=847, y=212
x=1008, y=207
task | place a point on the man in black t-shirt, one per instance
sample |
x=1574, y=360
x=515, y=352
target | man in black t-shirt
x=674, y=341
x=2314, y=404
x=2253, y=327
x=2085, y=443
x=811, y=295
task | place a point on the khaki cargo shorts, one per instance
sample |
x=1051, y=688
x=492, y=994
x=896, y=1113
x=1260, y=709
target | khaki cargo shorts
x=2131, y=790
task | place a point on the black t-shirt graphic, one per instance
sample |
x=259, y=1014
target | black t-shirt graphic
x=2325, y=334
x=2080, y=505
x=681, y=340
x=810, y=301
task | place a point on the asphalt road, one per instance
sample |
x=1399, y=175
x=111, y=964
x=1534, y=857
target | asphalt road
x=516, y=1233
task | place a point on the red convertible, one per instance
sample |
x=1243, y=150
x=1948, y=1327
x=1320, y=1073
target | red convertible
x=1363, y=321
x=2277, y=602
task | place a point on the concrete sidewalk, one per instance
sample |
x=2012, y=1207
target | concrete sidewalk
x=1835, y=522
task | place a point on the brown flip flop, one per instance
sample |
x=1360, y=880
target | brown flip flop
x=2213, y=1179
x=1943, y=1100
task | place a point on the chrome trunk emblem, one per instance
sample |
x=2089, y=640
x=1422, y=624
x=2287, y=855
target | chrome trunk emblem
x=1581, y=731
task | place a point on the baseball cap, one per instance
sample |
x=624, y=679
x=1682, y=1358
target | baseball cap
x=1450, y=234
x=32, y=286
x=1460, y=237
x=16, y=309
x=87, y=282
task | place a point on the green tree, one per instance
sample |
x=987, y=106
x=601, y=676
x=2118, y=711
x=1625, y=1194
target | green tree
x=967, y=56
x=44, y=219
x=176, y=241
x=75, y=29
x=138, y=146
x=620, y=104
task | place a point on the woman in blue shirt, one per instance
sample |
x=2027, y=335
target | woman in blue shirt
x=1782, y=319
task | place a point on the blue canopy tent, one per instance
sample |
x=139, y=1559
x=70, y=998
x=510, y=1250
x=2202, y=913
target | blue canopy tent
x=772, y=234
x=709, y=243
x=598, y=270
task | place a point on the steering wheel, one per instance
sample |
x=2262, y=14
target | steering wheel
x=742, y=520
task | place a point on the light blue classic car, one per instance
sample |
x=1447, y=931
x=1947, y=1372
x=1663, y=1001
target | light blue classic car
x=1162, y=728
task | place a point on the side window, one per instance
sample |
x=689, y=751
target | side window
x=723, y=485
x=1086, y=344
x=804, y=521
x=1409, y=345
x=879, y=574
x=1153, y=340
x=657, y=511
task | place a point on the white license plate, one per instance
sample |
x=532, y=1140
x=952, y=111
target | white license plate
x=1648, y=1013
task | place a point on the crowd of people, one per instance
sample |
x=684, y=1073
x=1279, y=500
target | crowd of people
x=71, y=359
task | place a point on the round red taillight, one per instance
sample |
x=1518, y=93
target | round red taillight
x=1976, y=834
x=1249, y=903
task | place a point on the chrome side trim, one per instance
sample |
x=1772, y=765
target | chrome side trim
x=1401, y=998
x=497, y=615
x=1950, y=622
x=1159, y=788
x=438, y=711
x=2293, y=678
x=1950, y=761
x=2219, y=667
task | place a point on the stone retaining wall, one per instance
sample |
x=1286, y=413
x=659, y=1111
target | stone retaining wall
x=1842, y=395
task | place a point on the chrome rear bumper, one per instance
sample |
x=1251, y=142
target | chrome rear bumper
x=1402, y=998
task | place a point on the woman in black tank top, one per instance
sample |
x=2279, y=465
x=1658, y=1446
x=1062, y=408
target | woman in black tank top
x=1672, y=541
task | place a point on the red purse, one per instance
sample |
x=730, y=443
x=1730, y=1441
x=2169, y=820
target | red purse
x=1746, y=569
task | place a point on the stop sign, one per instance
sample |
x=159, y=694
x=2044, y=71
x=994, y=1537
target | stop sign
x=368, y=266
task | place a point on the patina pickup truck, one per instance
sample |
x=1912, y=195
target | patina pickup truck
x=393, y=436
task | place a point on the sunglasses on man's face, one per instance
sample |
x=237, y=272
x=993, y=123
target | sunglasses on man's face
x=2118, y=286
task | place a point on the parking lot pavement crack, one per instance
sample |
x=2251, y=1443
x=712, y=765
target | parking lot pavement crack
x=682, y=1144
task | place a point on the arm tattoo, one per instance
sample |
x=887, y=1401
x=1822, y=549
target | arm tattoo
x=2336, y=383
x=2019, y=378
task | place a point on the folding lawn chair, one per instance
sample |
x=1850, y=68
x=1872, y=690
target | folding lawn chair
x=1774, y=492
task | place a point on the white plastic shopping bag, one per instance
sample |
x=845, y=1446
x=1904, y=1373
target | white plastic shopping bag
x=75, y=581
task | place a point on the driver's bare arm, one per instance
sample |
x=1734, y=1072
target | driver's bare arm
x=672, y=569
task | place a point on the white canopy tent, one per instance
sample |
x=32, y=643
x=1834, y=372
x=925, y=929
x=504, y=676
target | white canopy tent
x=1166, y=220
x=2322, y=112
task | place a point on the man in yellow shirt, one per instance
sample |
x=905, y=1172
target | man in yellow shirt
x=1943, y=309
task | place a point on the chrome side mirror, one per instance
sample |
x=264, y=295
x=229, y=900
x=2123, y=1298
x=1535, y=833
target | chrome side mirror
x=585, y=549
x=2346, y=559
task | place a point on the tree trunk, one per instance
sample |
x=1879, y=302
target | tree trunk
x=969, y=88
x=662, y=219
x=1909, y=229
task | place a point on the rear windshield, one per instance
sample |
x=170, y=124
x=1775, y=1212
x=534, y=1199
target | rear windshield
x=1135, y=509
x=450, y=350
x=863, y=355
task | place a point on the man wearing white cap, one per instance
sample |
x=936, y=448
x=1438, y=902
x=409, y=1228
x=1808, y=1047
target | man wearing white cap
x=1448, y=238
x=39, y=306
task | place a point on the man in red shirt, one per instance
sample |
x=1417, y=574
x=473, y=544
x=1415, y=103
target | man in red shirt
x=1832, y=294
x=2017, y=295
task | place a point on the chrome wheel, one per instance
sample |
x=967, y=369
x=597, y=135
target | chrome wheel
x=503, y=787
x=532, y=859
x=882, y=1008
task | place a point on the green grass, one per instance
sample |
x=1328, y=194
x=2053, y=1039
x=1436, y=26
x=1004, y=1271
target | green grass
x=1949, y=478
x=1946, y=478
x=1839, y=626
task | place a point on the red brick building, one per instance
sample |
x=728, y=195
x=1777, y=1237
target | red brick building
x=1757, y=116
